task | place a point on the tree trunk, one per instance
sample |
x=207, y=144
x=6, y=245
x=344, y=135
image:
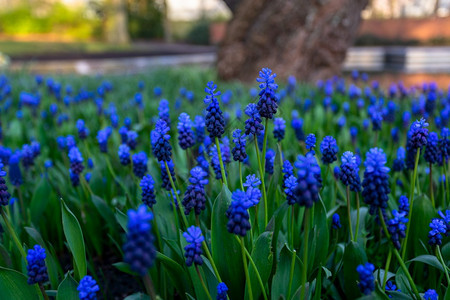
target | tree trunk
x=116, y=23
x=304, y=38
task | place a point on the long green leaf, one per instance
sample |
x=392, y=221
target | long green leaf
x=13, y=285
x=67, y=290
x=354, y=255
x=263, y=258
x=74, y=236
x=40, y=200
x=280, y=281
x=226, y=251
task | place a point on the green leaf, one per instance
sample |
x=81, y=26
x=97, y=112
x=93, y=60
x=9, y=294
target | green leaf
x=137, y=296
x=280, y=281
x=104, y=210
x=429, y=260
x=402, y=281
x=176, y=272
x=74, y=237
x=5, y=259
x=422, y=213
x=13, y=285
x=67, y=290
x=399, y=296
x=263, y=258
x=122, y=219
x=321, y=234
x=226, y=251
x=354, y=255
x=124, y=267
x=40, y=200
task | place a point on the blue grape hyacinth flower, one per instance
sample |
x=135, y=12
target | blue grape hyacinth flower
x=268, y=100
x=438, y=227
x=329, y=149
x=124, y=154
x=139, y=164
x=252, y=183
x=430, y=295
x=193, y=250
x=237, y=214
x=215, y=122
x=222, y=290
x=432, y=154
x=310, y=142
x=36, y=269
x=195, y=195
x=399, y=162
x=147, y=186
x=88, y=288
x=139, y=250
x=160, y=141
x=306, y=192
x=366, y=279
x=349, y=172
x=253, y=125
x=336, y=222
x=4, y=194
x=165, y=177
x=397, y=226
x=76, y=161
x=186, y=137
x=83, y=131
x=238, y=151
x=279, y=129
x=163, y=111
x=270, y=160
x=199, y=129
x=376, y=180
x=418, y=134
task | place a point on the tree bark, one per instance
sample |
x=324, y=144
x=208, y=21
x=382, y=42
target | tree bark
x=116, y=23
x=304, y=38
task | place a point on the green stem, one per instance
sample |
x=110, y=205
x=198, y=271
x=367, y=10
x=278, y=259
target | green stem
x=291, y=273
x=399, y=258
x=148, y=283
x=265, y=142
x=305, y=254
x=13, y=234
x=263, y=187
x=431, y=186
x=411, y=202
x=247, y=276
x=22, y=205
x=203, y=283
x=183, y=216
x=441, y=259
x=240, y=176
x=281, y=154
x=208, y=255
x=292, y=228
x=258, y=276
x=44, y=294
x=158, y=236
x=357, y=217
x=349, y=214
x=386, y=269
x=222, y=168
x=447, y=190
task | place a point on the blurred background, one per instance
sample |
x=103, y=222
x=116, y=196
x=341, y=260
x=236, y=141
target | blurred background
x=407, y=39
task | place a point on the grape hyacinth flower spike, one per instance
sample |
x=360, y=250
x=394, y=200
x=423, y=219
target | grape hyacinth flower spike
x=366, y=279
x=193, y=250
x=279, y=129
x=185, y=133
x=88, y=288
x=268, y=100
x=160, y=141
x=195, y=195
x=147, y=185
x=329, y=149
x=36, y=269
x=4, y=194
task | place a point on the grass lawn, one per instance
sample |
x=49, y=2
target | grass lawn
x=16, y=48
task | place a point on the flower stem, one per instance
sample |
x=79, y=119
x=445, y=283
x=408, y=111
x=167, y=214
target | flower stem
x=240, y=175
x=439, y=255
x=349, y=213
x=411, y=202
x=264, y=149
x=208, y=255
x=263, y=186
x=431, y=185
x=399, y=258
x=258, y=276
x=386, y=268
x=357, y=217
x=222, y=168
x=13, y=234
x=148, y=283
x=291, y=273
x=203, y=283
x=44, y=294
x=183, y=216
x=292, y=227
x=247, y=276
x=305, y=254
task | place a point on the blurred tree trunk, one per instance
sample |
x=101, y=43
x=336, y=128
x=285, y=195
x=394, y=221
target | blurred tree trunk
x=116, y=22
x=304, y=38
